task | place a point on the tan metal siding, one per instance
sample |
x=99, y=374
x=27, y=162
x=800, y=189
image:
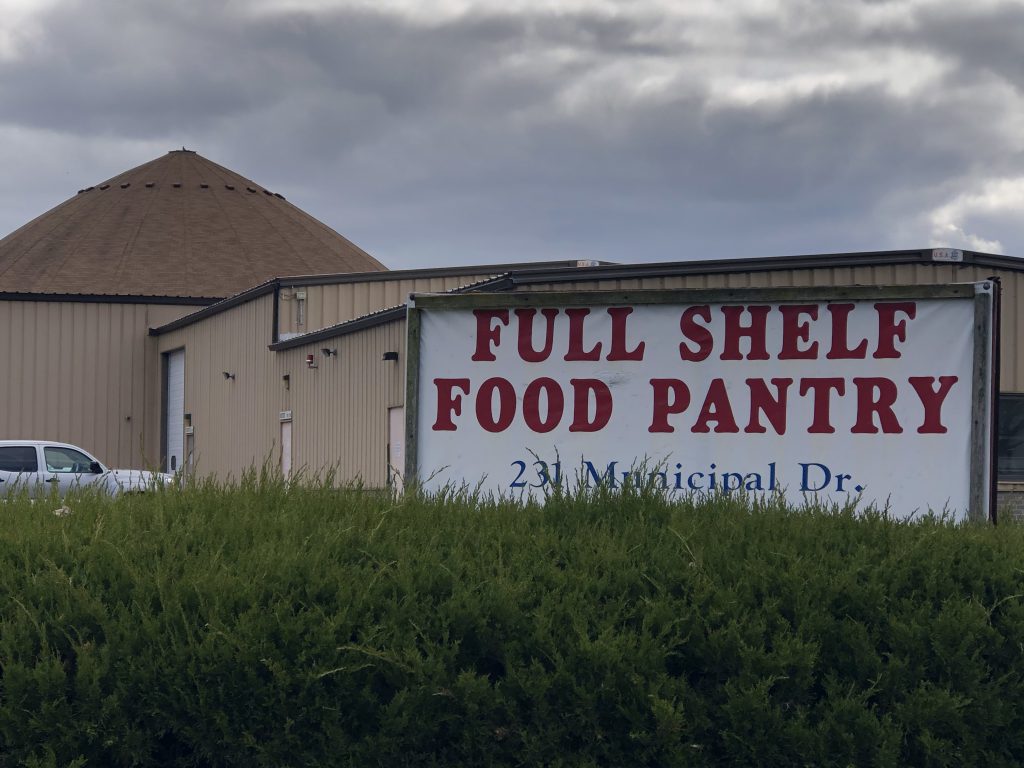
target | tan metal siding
x=1012, y=367
x=232, y=431
x=339, y=409
x=327, y=305
x=79, y=372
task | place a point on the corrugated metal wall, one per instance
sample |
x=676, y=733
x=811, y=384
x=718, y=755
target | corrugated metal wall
x=1012, y=369
x=82, y=373
x=230, y=417
x=339, y=408
x=327, y=305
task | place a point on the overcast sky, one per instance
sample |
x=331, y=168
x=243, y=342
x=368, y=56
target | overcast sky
x=455, y=132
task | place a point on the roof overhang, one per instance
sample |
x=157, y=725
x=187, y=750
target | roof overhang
x=100, y=298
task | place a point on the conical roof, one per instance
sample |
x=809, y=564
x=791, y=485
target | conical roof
x=179, y=225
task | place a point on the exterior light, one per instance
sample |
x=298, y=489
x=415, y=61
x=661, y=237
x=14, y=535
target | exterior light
x=228, y=375
x=391, y=356
x=329, y=352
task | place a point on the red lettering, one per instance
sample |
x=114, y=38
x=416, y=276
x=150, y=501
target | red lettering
x=576, y=353
x=734, y=331
x=581, y=391
x=448, y=402
x=932, y=400
x=506, y=404
x=794, y=331
x=889, y=330
x=875, y=395
x=698, y=334
x=670, y=396
x=773, y=408
x=618, y=350
x=716, y=408
x=486, y=334
x=840, y=349
x=822, y=389
x=526, y=350
x=531, y=404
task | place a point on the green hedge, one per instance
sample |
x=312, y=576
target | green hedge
x=265, y=625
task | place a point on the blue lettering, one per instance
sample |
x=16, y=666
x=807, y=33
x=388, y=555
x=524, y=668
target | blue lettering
x=727, y=481
x=820, y=473
x=608, y=478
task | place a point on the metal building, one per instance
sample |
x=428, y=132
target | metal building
x=151, y=319
x=81, y=285
x=328, y=393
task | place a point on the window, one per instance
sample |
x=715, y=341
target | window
x=1011, y=438
x=66, y=460
x=18, y=458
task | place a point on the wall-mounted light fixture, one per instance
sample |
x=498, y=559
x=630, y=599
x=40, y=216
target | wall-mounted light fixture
x=287, y=379
x=391, y=356
x=311, y=361
x=327, y=352
x=228, y=375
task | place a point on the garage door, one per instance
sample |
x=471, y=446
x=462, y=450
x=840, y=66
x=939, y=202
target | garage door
x=174, y=411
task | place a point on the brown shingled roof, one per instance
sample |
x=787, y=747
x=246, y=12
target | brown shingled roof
x=179, y=225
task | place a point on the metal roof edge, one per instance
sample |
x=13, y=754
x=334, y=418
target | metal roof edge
x=498, y=283
x=507, y=277
x=102, y=298
x=215, y=309
x=341, y=329
x=411, y=274
x=1013, y=263
x=762, y=264
x=276, y=284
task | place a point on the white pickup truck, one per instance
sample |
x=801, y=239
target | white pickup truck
x=40, y=467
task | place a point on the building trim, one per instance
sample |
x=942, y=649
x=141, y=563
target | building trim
x=215, y=309
x=413, y=274
x=683, y=296
x=510, y=276
x=216, y=306
x=762, y=264
x=92, y=298
x=276, y=320
x=499, y=283
x=342, y=329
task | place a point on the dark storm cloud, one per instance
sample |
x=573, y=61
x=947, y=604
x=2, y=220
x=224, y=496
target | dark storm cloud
x=141, y=68
x=983, y=42
x=637, y=134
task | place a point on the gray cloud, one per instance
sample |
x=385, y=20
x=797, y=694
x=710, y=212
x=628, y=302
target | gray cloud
x=631, y=135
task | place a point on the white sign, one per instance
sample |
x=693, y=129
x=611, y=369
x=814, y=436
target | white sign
x=856, y=393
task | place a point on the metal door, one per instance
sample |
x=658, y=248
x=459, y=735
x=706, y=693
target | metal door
x=174, y=411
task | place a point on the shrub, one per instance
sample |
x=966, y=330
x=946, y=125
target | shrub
x=272, y=624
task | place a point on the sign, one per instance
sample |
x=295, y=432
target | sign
x=882, y=395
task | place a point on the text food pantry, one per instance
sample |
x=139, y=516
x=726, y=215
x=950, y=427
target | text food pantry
x=752, y=405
